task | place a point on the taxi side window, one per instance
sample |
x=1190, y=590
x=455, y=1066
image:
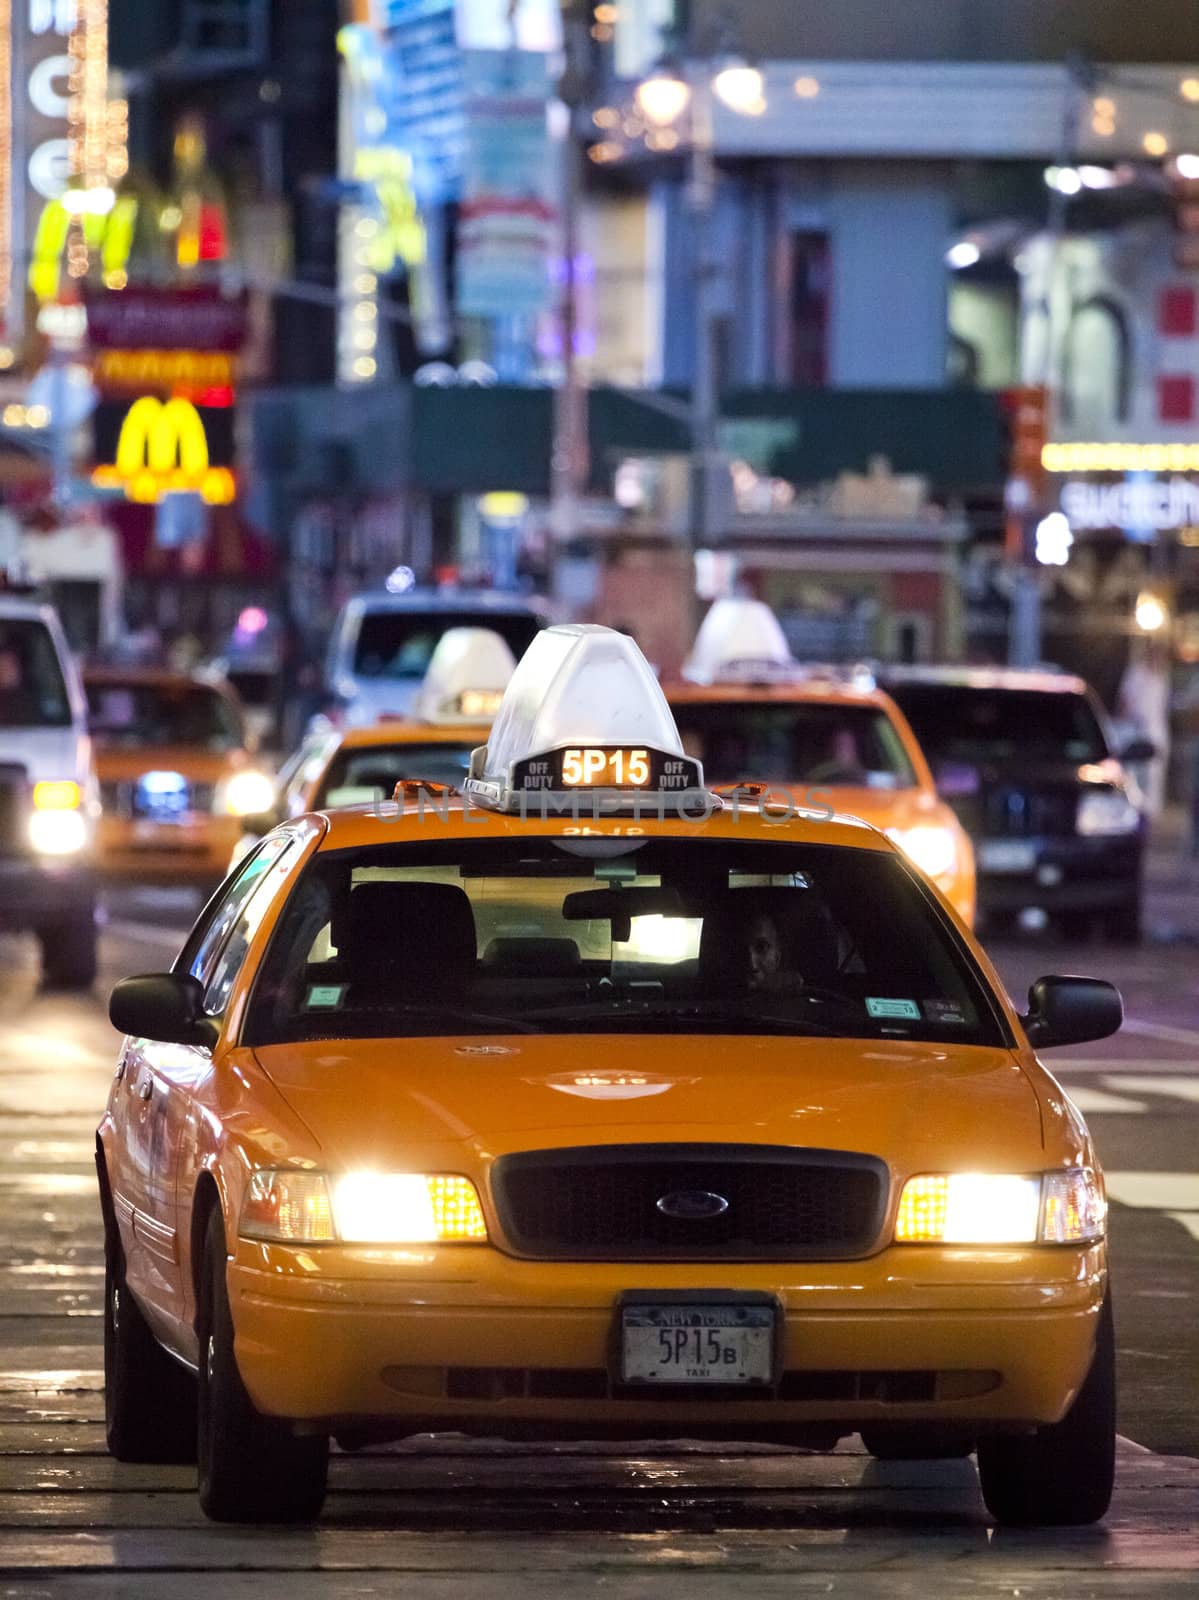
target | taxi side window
x=212, y=956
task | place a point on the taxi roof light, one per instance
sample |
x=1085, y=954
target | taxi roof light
x=739, y=639
x=585, y=692
x=466, y=677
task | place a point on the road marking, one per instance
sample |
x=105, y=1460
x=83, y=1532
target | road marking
x=1161, y=1030
x=1189, y=1220
x=1181, y=1087
x=1155, y=1191
x=1095, y=1102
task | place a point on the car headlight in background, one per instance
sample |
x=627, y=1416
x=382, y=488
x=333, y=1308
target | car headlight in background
x=1107, y=813
x=928, y=846
x=245, y=794
x=1063, y=1207
x=362, y=1208
x=58, y=826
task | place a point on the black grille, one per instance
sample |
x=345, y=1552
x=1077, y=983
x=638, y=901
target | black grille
x=1015, y=812
x=601, y=1202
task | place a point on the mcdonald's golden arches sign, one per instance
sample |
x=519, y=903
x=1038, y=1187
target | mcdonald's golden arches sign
x=162, y=447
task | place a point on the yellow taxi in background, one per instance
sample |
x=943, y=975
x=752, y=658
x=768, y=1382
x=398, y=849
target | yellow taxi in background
x=590, y=1102
x=460, y=693
x=820, y=738
x=176, y=774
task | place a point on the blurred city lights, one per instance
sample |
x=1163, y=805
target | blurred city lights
x=807, y=88
x=963, y=254
x=1054, y=540
x=400, y=580
x=663, y=97
x=1155, y=144
x=1151, y=614
x=739, y=86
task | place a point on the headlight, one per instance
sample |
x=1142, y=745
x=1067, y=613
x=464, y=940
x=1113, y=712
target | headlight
x=245, y=794
x=58, y=826
x=1106, y=813
x=362, y=1208
x=930, y=847
x=1064, y=1207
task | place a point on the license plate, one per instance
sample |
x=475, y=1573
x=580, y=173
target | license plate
x=1007, y=855
x=697, y=1344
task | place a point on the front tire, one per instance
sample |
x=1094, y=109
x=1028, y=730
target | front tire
x=253, y=1468
x=1061, y=1475
x=149, y=1399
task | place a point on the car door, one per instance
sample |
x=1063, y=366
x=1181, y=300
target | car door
x=159, y=1085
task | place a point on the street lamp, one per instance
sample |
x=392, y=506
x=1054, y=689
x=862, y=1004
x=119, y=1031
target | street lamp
x=669, y=92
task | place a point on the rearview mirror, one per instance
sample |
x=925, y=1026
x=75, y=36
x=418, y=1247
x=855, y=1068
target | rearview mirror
x=1071, y=1011
x=620, y=906
x=162, y=1006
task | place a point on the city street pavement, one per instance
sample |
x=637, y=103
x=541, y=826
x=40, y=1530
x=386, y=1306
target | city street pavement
x=460, y=1520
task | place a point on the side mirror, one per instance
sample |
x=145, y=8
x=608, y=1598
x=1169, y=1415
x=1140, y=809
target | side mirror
x=1139, y=749
x=162, y=1006
x=1071, y=1011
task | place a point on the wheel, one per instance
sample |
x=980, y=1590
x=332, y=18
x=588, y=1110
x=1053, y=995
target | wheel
x=1062, y=1474
x=149, y=1399
x=1123, y=924
x=916, y=1444
x=69, y=952
x=253, y=1468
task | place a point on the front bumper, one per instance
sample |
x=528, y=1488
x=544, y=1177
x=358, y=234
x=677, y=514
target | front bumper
x=467, y=1338
x=1069, y=874
x=195, y=851
x=38, y=892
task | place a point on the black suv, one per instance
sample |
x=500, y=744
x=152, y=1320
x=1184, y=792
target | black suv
x=1025, y=760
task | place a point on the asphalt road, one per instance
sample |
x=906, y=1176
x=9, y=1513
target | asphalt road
x=457, y=1520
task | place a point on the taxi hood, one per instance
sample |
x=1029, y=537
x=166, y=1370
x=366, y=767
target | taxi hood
x=404, y=1103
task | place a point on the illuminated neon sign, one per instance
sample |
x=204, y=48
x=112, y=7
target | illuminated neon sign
x=162, y=449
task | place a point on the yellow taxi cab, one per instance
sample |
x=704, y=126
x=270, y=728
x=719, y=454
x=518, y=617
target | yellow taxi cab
x=817, y=738
x=590, y=1102
x=176, y=774
x=459, y=695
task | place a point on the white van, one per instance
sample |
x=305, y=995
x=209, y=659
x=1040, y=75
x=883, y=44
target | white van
x=49, y=800
x=382, y=644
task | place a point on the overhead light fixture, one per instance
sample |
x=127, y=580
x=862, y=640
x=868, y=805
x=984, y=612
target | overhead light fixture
x=739, y=86
x=1155, y=144
x=1189, y=90
x=663, y=97
x=963, y=254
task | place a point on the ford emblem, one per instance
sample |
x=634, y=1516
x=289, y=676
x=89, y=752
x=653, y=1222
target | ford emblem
x=693, y=1205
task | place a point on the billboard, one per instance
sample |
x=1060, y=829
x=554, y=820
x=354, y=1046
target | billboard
x=508, y=218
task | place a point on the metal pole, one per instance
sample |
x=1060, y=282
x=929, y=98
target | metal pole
x=701, y=199
x=569, y=450
x=1025, y=624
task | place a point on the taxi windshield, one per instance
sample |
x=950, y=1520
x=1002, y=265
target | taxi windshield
x=794, y=742
x=359, y=776
x=131, y=715
x=670, y=936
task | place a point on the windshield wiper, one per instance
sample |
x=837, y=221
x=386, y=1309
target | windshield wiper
x=488, y=1019
x=629, y=1010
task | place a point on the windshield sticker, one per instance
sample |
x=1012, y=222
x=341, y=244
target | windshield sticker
x=324, y=996
x=947, y=1012
x=907, y=1009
